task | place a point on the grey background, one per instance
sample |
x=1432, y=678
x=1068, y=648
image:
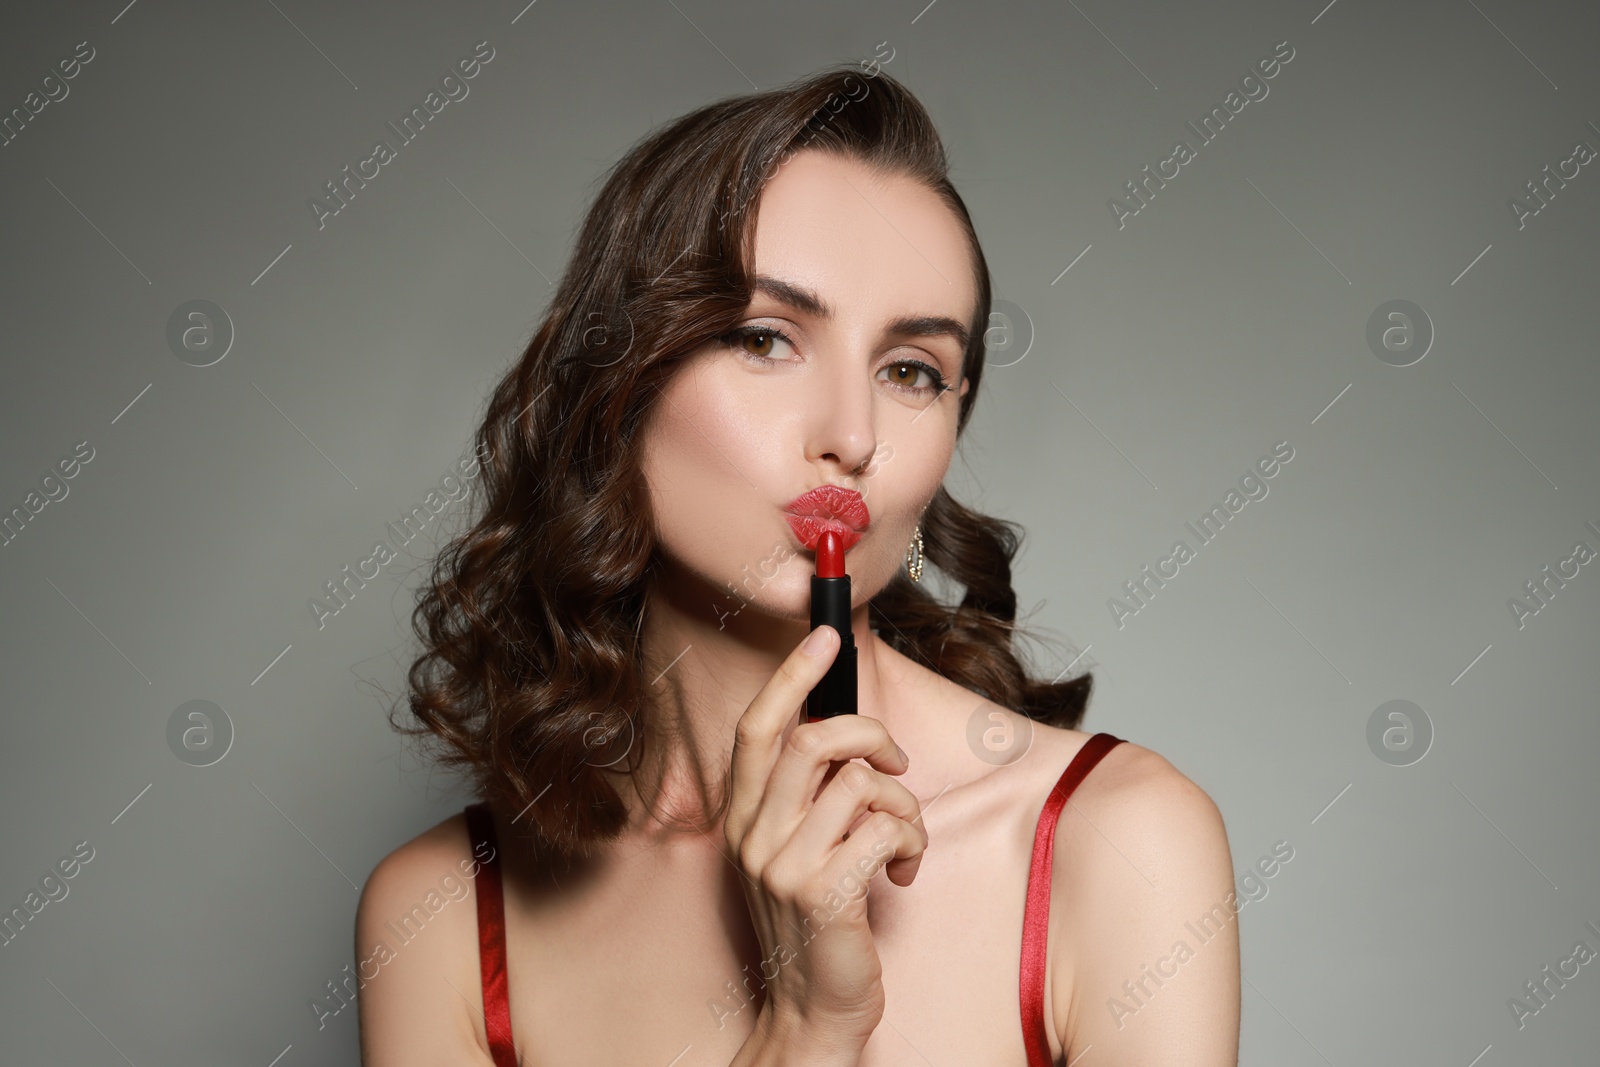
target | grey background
x=1226, y=316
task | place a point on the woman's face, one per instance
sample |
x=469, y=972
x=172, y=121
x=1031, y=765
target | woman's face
x=869, y=282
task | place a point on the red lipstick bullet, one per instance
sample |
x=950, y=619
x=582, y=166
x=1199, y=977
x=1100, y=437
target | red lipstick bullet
x=835, y=694
x=830, y=556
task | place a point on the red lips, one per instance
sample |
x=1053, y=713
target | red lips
x=828, y=507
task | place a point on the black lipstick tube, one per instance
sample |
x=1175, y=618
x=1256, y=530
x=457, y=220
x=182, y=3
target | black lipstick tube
x=836, y=693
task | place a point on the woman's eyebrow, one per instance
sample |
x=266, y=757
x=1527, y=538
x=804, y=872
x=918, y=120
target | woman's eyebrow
x=805, y=300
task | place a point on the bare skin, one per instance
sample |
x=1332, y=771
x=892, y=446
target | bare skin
x=627, y=957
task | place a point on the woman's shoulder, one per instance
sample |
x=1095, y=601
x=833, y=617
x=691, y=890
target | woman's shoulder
x=1133, y=778
x=1129, y=786
x=416, y=949
x=443, y=848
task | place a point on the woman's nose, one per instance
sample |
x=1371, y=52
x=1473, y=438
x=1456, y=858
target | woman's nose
x=841, y=426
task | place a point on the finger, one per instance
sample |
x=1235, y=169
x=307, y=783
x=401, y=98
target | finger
x=883, y=843
x=855, y=792
x=756, y=737
x=807, y=763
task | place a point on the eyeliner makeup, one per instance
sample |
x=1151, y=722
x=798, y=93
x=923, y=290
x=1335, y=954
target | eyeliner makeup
x=830, y=604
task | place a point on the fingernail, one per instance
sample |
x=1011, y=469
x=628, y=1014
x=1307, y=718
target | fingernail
x=814, y=644
x=903, y=757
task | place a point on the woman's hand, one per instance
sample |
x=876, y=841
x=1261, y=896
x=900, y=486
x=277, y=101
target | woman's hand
x=806, y=861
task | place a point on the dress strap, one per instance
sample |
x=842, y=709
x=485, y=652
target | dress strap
x=1036, y=912
x=492, y=937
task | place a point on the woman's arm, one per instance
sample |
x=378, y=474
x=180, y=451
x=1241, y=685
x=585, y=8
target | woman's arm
x=1148, y=968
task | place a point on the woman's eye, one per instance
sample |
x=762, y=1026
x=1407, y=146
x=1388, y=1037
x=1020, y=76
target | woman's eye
x=755, y=341
x=906, y=374
x=915, y=377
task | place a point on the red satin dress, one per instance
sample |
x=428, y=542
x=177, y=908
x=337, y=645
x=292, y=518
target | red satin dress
x=1035, y=917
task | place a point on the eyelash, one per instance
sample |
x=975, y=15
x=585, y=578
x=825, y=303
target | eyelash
x=733, y=337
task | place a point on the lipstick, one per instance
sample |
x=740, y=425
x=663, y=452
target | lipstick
x=830, y=604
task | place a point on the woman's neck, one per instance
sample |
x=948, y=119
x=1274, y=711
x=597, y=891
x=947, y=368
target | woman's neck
x=702, y=670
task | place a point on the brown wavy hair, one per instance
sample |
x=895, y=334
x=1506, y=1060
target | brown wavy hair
x=532, y=672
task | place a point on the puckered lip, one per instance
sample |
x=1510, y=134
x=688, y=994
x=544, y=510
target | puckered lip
x=828, y=507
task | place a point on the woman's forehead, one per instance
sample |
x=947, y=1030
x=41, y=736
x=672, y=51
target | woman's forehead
x=864, y=245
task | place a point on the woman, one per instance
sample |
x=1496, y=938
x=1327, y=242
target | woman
x=775, y=293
